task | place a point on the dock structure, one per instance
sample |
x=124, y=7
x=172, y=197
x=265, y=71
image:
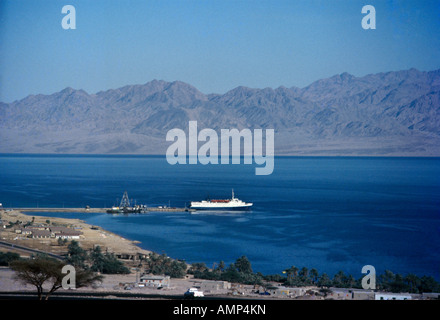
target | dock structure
x=125, y=201
x=168, y=209
x=63, y=209
x=102, y=210
x=125, y=207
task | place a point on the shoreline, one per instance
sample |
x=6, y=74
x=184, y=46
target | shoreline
x=114, y=286
x=90, y=236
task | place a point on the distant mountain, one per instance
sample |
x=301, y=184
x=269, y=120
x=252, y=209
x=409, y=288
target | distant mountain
x=393, y=113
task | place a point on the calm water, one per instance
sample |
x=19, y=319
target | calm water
x=327, y=213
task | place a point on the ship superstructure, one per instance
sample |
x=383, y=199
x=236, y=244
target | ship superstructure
x=221, y=204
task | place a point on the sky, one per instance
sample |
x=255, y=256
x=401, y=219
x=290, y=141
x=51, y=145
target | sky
x=214, y=45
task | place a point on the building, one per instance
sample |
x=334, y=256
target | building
x=41, y=234
x=64, y=233
x=282, y=291
x=155, y=281
x=68, y=234
x=392, y=296
x=212, y=285
x=363, y=295
x=431, y=295
x=42, y=231
x=23, y=231
x=340, y=294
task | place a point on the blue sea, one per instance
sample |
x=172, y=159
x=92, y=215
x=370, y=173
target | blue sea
x=328, y=213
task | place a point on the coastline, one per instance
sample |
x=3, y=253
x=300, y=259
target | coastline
x=114, y=286
x=90, y=236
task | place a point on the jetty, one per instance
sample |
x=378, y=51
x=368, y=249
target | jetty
x=125, y=207
x=63, y=209
x=100, y=210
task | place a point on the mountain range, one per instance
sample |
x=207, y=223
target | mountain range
x=385, y=114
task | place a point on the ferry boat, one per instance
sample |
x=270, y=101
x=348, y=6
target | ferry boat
x=223, y=204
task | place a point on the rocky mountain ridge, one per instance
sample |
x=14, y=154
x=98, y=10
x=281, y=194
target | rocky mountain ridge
x=393, y=113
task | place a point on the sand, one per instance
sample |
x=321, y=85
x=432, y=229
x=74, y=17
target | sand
x=108, y=241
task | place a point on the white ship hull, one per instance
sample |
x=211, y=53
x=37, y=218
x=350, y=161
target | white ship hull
x=226, y=205
x=215, y=206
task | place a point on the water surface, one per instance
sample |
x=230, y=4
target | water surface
x=329, y=213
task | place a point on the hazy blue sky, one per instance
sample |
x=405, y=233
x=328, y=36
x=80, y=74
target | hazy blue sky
x=214, y=45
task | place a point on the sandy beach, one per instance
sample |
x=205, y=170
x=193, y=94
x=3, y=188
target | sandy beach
x=91, y=235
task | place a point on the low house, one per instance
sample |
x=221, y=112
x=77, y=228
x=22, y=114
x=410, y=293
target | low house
x=41, y=234
x=65, y=233
x=340, y=294
x=431, y=295
x=38, y=227
x=363, y=295
x=73, y=234
x=24, y=231
x=155, y=281
x=280, y=291
x=212, y=285
x=287, y=291
x=392, y=296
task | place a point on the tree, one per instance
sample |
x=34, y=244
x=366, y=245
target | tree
x=42, y=270
x=111, y=265
x=304, y=272
x=398, y=285
x=428, y=284
x=291, y=272
x=76, y=255
x=292, y=276
x=243, y=265
x=314, y=275
x=324, y=280
x=161, y=264
x=61, y=241
x=197, y=267
x=97, y=259
x=177, y=269
x=8, y=257
x=231, y=274
x=304, y=276
x=340, y=279
x=351, y=282
x=385, y=279
x=413, y=282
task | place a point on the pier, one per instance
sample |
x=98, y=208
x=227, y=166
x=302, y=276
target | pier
x=125, y=207
x=100, y=210
x=38, y=209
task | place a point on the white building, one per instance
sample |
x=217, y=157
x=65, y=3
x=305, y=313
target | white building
x=155, y=281
x=392, y=296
